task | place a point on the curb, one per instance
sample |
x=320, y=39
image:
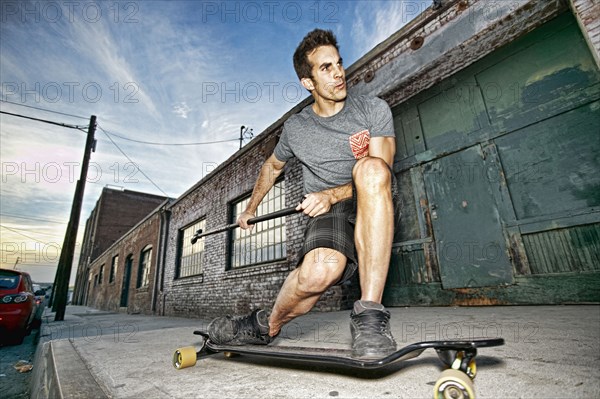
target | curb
x=62, y=373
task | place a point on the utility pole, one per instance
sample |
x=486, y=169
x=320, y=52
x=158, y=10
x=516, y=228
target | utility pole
x=242, y=135
x=60, y=290
x=245, y=132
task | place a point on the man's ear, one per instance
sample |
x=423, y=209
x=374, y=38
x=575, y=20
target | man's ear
x=308, y=84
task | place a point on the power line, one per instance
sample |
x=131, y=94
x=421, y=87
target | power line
x=52, y=221
x=45, y=110
x=170, y=144
x=69, y=126
x=111, y=133
x=32, y=218
x=24, y=235
x=130, y=160
x=33, y=231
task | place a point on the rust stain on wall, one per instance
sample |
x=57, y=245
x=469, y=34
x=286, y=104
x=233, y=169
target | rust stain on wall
x=474, y=297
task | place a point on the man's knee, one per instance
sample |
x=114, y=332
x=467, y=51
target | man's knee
x=320, y=270
x=371, y=172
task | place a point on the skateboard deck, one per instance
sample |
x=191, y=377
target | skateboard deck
x=457, y=355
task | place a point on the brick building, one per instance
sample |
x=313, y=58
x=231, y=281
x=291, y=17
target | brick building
x=124, y=276
x=116, y=212
x=496, y=110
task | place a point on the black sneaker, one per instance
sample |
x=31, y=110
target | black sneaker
x=370, y=329
x=241, y=330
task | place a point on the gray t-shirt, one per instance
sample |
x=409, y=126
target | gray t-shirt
x=328, y=148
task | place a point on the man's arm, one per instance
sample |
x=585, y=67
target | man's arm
x=384, y=148
x=269, y=172
x=316, y=204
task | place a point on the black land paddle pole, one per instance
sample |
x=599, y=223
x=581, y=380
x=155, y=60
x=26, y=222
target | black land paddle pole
x=284, y=212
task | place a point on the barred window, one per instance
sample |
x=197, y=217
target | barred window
x=192, y=255
x=113, y=268
x=266, y=242
x=144, y=270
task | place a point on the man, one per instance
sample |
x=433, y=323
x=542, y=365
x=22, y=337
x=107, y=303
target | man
x=346, y=146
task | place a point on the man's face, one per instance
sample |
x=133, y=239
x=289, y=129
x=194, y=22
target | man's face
x=329, y=77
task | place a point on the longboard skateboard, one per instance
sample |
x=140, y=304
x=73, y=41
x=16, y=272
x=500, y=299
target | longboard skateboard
x=455, y=382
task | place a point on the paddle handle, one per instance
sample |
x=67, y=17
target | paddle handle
x=283, y=212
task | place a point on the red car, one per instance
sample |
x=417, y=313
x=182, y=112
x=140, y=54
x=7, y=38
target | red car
x=17, y=305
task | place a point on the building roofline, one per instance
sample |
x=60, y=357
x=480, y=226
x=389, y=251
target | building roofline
x=127, y=191
x=119, y=240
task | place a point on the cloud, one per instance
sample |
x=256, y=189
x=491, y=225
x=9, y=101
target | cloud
x=375, y=21
x=182, y=110
x=166, y=75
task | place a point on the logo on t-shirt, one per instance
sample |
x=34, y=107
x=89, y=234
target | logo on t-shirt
x=359, y=143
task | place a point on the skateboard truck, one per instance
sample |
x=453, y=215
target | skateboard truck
x=456, y=382
x=463, y=360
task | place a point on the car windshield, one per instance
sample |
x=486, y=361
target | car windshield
x=8, y=282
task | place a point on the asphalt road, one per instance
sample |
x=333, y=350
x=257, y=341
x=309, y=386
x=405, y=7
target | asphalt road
x=12, y=383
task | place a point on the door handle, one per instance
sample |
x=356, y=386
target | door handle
x=434, y=214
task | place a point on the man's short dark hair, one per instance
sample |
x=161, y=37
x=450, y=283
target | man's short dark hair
x=311, y=41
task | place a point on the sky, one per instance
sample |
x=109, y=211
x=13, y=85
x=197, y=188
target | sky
x=171, y=84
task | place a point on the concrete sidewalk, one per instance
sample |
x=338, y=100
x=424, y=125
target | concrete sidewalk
x=550, y=352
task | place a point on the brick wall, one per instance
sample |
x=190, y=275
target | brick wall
x=106, y=295
x=119, y=211
x=116, y=212
x=588, y=16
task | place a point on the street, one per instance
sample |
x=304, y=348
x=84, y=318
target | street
x=12, y=383
x=82, y=324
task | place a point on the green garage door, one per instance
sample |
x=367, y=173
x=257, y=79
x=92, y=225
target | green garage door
x=500, y=171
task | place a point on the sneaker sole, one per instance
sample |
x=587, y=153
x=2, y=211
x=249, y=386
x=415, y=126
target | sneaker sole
x=366, y=354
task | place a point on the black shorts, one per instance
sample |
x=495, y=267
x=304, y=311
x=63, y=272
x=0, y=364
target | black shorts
x=335, y=230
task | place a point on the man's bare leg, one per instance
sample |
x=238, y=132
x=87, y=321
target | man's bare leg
x=374, y=230
x=320, y=269
x=373, y=235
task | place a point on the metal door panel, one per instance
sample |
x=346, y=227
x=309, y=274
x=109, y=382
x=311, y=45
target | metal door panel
x=466, y=223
